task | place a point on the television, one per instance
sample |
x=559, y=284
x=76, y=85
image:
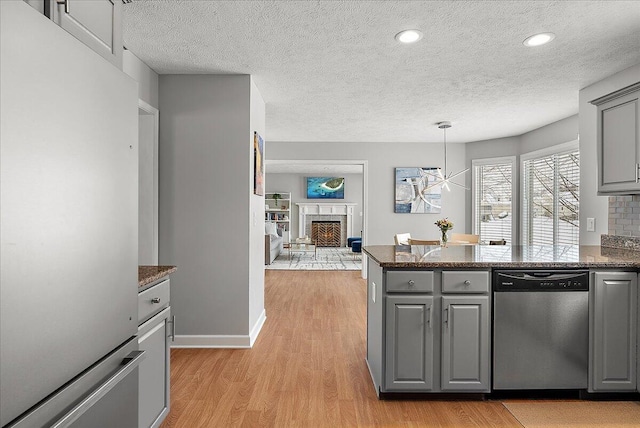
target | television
x=325, y=188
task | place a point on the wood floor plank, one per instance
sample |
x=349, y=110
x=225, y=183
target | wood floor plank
x=307, y=369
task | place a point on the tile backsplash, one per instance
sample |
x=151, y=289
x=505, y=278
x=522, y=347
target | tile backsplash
x=624, y=215
x=624, y=222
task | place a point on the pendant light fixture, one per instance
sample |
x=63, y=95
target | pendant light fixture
x=442, y=178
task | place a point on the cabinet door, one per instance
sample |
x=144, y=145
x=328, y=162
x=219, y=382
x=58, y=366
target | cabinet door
x=613, y=333
x=619, y=144
x=465, y=343
x=409, y=343
x=153, y=398
x=96, y=23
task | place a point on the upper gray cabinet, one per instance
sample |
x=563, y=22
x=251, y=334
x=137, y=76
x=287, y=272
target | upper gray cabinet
x=96, y=23
x=619, y=141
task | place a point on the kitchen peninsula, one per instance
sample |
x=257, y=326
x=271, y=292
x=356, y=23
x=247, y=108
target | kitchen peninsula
x=431, y=310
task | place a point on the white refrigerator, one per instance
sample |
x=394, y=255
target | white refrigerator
x=68, y=230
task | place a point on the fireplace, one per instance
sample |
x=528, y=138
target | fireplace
x=326, y=212
x=326, y=233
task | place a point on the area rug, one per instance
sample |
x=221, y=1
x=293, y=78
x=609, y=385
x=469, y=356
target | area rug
x=550, y=414
x=326, y=259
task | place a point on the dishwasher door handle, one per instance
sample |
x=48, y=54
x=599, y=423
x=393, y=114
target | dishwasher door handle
x=131, y=362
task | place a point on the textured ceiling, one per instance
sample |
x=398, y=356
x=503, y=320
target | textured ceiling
x=332, y=70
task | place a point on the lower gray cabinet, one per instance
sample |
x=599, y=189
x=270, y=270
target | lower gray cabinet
x=465, y=343
x=613, y=317
x=409, y=343
x=153, y=398
x=435, y=342
x=155, y=331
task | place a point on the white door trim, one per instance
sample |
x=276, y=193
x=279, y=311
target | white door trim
x=365, y=188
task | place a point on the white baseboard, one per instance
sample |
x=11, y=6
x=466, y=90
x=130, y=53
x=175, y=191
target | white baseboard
x=221, y=340
x=255, y=331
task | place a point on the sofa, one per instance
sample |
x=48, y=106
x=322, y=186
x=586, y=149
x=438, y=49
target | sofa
x=273, y=242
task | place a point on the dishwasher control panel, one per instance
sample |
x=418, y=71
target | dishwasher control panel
x=540, y=280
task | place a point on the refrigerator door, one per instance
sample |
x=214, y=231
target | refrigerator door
x=105, y=396
x=68, y=223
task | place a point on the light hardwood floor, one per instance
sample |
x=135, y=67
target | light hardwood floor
x=307, y=369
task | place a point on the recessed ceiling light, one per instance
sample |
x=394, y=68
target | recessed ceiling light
x=409, y=36
x=538, y=39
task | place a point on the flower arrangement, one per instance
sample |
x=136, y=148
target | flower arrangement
x=444, y=224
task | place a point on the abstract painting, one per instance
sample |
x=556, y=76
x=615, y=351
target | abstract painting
x=413, y=194
x=258, y=164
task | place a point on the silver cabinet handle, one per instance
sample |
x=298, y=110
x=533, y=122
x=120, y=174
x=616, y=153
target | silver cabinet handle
x=155, y=300
x=173, y=328
x=446, y=315
x=637, y=175
x=467, y=282
x=411, y=283
x=131, y=362
x=429, y=315
x=66, y=5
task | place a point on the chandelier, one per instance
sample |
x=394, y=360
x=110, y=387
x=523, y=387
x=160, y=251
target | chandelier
x=441, y=177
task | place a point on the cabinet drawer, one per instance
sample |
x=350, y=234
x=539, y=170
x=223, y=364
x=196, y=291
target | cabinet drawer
x=410, y=281
x=465, y=282
x=152, y=300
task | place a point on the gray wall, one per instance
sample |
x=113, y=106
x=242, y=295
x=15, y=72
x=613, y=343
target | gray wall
x=147, y=78
x=592, y=205
x=206, y=202
x=297, y=185
x=382, y=159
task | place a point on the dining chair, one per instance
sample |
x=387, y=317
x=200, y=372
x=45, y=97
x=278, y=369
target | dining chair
x=498, y=242
x=402, y=238
x=464, y=238
x=423, y=242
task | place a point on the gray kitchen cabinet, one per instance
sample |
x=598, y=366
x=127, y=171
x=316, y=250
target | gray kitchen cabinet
x=420, y=339
x=409, y=343
x=618, y=141
x=154, y=337
x=465, y=343
x=96, y=23
x=613, y=335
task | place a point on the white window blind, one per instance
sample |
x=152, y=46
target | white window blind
x=551, y=199
x=493, y=201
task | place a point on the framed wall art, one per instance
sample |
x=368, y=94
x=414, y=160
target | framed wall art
x=258, y=164
x=413, y=194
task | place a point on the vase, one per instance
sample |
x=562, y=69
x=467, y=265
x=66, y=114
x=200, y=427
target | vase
x=443, y=241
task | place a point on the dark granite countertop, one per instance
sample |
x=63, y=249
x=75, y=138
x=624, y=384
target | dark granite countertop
x=502, y=256
x=149, y=274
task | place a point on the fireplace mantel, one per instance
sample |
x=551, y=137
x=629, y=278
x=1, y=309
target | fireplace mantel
x=325, y=209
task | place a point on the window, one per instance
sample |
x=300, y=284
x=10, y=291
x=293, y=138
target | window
x=493, y=193
x=550, y=197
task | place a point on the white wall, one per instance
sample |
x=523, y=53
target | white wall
x=147, y=78
x=148, y=158
x=592, y=205
x=297, y=185
x=382, y=159
x=256, y=225
x=206, y=206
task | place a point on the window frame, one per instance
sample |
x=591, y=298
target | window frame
x=558, y=149
x=515, y=237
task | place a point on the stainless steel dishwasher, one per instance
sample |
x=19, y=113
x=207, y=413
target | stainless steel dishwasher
x=540, y=329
